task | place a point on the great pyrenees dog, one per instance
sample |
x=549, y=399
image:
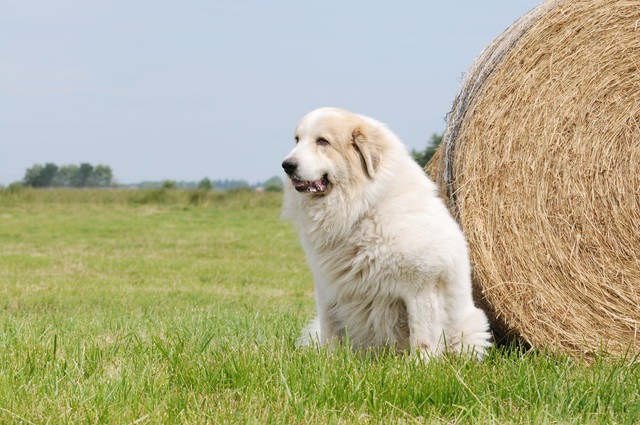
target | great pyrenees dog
x=390, y=264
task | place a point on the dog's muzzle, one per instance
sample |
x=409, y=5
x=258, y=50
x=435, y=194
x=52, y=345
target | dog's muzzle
x=319, y=186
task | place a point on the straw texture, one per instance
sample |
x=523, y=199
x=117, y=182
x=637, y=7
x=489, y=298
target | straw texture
x=540, y=163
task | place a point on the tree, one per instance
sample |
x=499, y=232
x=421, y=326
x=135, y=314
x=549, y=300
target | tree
x=48, y=173
x=67, y=175
x=33, y=176
x=101, y=176
x=169, y=184
x=84, y=175
x=274, y=184
x=205, y=184
x=423, y=157
x=40, y=176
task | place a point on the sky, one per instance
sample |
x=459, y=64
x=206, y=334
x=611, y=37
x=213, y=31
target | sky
x=188, y=89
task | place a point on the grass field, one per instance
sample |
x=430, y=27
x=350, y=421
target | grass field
x=183, y=307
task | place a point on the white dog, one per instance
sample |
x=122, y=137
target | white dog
x=390, y=264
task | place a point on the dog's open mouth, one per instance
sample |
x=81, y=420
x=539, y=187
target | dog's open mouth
x=318, y=186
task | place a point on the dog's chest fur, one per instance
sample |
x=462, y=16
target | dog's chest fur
x=358, y=275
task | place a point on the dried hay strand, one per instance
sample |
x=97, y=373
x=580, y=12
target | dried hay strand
x=540, y=164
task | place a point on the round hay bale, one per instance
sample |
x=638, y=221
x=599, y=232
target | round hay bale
x=540, y=163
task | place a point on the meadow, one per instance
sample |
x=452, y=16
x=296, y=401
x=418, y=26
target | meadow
x=168, y=306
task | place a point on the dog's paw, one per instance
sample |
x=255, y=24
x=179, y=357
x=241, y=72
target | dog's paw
x=310, y=336
x=308, y=340
x=422, y=353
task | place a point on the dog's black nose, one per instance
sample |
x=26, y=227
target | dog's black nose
x=289, y=166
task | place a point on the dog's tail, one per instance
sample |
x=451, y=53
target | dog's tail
x=310, y=334
x=471, y=334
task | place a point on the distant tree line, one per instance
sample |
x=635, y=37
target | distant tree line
x=204, y=184
x=83, y=175
x=274, y=184
x=87, y=175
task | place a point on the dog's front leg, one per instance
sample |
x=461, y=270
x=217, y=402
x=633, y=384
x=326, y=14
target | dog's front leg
x=325, y=300
x=327, y=329
x=426, y=332
x=320, y=331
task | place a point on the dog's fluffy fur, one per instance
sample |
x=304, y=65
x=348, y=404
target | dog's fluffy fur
x=390, y=264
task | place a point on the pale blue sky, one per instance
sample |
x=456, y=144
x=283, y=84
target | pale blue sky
x=187, y=89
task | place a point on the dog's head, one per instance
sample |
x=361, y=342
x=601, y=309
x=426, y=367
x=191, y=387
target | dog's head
x=334, y=147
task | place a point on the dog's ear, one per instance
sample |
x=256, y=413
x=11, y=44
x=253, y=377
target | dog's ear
x=367, y=150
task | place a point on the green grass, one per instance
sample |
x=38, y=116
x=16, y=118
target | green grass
x=183, y=307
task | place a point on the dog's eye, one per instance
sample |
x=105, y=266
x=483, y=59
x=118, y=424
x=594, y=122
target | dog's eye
x=322, y=142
